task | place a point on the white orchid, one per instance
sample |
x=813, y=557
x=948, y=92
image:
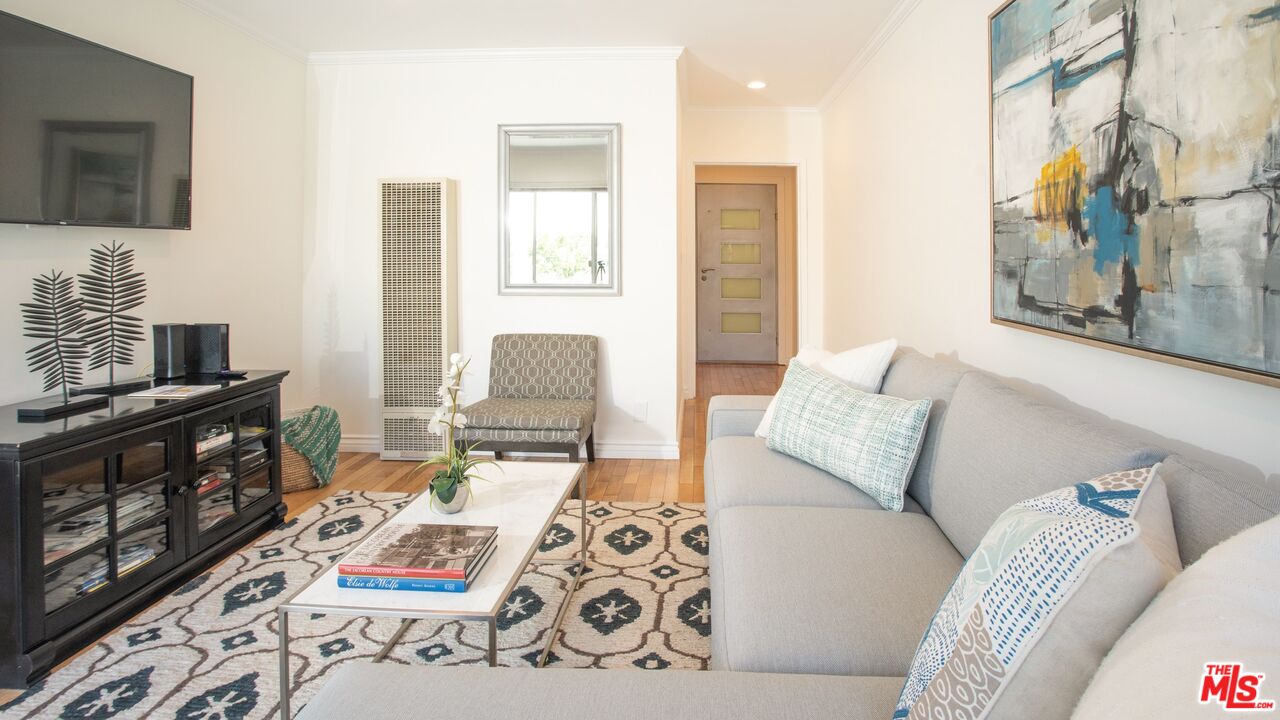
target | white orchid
x=439, y=423
x=447, y=421
x=457, y=367
x=448, y=395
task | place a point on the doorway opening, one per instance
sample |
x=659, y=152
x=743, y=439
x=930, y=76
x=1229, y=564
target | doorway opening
x=745, y=264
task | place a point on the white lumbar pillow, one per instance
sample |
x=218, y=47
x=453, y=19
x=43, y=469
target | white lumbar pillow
x=861, y=368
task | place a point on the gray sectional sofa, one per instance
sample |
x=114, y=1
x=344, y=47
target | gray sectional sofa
x=819, y=597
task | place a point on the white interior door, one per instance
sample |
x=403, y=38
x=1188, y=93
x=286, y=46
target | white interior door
x=737, y=273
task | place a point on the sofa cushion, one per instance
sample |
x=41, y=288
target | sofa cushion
x=869, y=440
x=1055, y=581
x=1210, y=505
x=387, y=691
x=1000, y=446
x=1221, y=609
x=824, y=590
x=742, y=471
x=912, y=376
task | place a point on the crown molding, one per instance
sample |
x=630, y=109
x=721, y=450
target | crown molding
x=220, y=14
x=896, y=17
x=563, y=54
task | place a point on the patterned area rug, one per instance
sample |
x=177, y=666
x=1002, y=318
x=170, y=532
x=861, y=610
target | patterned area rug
x=209, y=651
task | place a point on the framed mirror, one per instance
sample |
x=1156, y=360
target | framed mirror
x=559, y=205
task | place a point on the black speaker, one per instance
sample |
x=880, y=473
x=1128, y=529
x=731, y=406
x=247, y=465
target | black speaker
x=208, y=348
x=170, y=343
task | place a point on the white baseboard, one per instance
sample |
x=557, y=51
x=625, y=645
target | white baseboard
x=611, y=450
x=360, y=443
x=638, y=451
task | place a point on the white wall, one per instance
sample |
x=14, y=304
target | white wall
x=755, y=136
x=908, y=246
x=240, y=262
x=371, y=120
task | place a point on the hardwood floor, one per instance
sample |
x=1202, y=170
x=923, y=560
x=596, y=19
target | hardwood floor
x=621, y=480
x=663, y=480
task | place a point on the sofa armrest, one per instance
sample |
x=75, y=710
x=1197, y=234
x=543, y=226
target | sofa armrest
x=735, y=414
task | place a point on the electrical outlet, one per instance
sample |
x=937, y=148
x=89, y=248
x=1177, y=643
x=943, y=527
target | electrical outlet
x=640, y=412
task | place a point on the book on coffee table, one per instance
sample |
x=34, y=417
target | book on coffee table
x=424, y=551
x=373, y=582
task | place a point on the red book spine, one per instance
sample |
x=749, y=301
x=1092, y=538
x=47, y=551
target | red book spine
x=393, y=572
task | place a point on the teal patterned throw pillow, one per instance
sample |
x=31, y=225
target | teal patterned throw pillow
x=1054, y=583
x=871, y=441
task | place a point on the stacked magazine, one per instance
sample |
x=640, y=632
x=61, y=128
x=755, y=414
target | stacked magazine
x=404, y=556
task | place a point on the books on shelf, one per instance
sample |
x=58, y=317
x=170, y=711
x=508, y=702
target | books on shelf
x=407, y=556
x=63, y=538
x=173, y=392
x=252, y=459
x=213, y=442
x=131, y=558
x=211, y=482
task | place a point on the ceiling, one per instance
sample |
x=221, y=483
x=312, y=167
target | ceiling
x=799, y=48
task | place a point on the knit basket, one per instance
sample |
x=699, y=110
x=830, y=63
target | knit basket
x=295, y=470
x=309, y=442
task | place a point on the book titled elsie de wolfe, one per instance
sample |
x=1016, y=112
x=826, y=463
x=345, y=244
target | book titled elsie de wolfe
x=425, y=551
x=365, y=582
x=388, y=583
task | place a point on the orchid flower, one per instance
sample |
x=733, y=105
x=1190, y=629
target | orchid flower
x=447, y=420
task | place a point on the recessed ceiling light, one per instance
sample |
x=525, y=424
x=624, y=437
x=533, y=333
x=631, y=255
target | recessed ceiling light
x=757, y=85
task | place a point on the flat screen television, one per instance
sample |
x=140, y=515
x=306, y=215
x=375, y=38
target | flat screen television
x=90, y=135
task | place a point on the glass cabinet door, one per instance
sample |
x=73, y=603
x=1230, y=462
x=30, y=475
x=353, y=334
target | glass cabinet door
x=77, y=513
x=235, y=466
x=255, y=453
x=107, y=514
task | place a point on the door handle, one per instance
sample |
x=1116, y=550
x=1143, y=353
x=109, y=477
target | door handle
x=707, y=270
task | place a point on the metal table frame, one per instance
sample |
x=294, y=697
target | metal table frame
x=408, y=617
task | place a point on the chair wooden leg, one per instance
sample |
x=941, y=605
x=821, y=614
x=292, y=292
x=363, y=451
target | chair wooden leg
x=497, y=454
x=591, y=446
x=573, y=453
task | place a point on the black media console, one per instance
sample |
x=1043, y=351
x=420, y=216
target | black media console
x=105, y=512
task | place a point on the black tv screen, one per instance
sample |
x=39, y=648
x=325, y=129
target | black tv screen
x=89, y=135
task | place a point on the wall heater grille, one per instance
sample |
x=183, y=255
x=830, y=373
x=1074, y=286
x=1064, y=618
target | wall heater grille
x=419, y=326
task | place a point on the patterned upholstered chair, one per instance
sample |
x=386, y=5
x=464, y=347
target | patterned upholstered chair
x=542, y=396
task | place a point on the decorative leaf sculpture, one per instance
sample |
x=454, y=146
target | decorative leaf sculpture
x=110, y=290
x=55, y=316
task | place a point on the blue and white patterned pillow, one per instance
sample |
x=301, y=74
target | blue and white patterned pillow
x=871, y=441
x=1054, y=583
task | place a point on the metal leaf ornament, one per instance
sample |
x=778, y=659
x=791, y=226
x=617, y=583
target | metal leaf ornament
x=55, y=316
x=110, y=290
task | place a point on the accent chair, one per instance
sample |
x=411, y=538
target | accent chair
x=542, y=396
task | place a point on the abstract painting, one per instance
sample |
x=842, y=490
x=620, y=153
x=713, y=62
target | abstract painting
x=1136, y=176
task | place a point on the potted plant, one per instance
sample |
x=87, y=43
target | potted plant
x=450, y=486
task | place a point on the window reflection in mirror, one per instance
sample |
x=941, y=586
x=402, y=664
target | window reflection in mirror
x=560, y=186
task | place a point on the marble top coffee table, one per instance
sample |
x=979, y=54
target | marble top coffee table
x=522, y=500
